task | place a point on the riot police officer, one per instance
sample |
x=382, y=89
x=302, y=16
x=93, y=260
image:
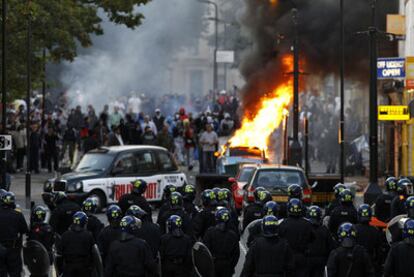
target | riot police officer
x=76, y=248
x=135, y=197
x=95, y=226
x=130, y=256
x=189, y=194
x=149, y=231
x=61, y=217
x=254, y=210
x=401, y=256
x=112, y=232
x=345, y=212
x=270, y=208
x=349, y=259
x=224, y=199
x=175, y=250
x=369, y=236
x=223, y=244
x=338, y=188
x=320, y=248
x=404, y=190
x=12, y=227
x=299, y=233
x=165, y=202
x=40, y=230
x=269, y=255
x=205, y=218
x=176, y=208
x=383, y=202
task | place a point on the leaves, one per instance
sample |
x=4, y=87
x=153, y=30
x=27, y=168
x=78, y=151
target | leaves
x=60, y=27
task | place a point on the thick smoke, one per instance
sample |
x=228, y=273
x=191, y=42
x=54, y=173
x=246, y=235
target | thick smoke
x=125, y=60
x=270, y=29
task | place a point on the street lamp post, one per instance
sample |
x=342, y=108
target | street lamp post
x=342, y=96
x=3, y=88
x=216, y=22
x=28, y=94
x=295, y=155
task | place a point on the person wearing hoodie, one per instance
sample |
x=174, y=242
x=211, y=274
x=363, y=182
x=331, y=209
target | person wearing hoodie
x=223, y=244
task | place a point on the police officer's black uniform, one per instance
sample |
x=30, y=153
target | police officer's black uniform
x=335, y=202
x=300, y=234
x=269, y=255
x=397, y=206
x=370, y=238
x=12, y=226
x=383, y=202
x=76, y=249
x=43, y=233
x=223, y=244
x=135, y=198
x=254, y=210
x=175, y=250
x=345, y=212
x=187, y=226
x=61, y=217
x=94, y=226
x=151, y=233
x=401, y=256
x=205, y=218
x=130, y=256
x=110, y=233
x=349, y=259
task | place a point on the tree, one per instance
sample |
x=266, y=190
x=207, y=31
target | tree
x=60, y=27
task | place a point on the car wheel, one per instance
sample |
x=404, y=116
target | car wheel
x=100, y=196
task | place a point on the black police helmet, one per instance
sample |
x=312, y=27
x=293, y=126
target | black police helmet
x=136, y=211
x=270, y=226
x=271, y=208
x=338, y=188
x=176, y=200
x=168, y=189
x=295, y=207
x=79, y=220
x=314, y=215
x=224, y=196
x=139, y=186
x=346, y=196
x=364, y=213
x=174, y=225
x=295, y=191
x=114, y=213
x=59, y=197
x=409, y=206
x=405, y=187
x=408, y=231
x=346, y=234
x=222, y=215
x=39, y=214
x=189, y=193
x=90, y=205
x=391, y=184
x=130, y=224
x=208, y=197
x=9, y=200
x=262, y=196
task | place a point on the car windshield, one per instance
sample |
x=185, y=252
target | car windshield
x=245, y=174
x=278, y=179
x=94, y=162
x=245, y=151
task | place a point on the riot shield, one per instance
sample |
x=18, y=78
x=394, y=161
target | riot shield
x=36, y=258
x=202, y=260
x=97, y=262
x=58, y=259
x=246, y=234
x=394, y=228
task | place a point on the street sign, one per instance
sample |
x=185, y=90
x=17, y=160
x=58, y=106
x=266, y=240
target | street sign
x=5, y=142
x=409, y=67
x=225, y=56
x=393, y=113
x=391, y=68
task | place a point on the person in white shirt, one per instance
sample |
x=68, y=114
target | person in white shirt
x=208, y=141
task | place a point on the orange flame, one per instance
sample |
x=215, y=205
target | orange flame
x=273, y=2
x=255, y=132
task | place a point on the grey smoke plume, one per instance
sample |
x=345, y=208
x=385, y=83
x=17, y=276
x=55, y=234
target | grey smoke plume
x=319, y=39
x=124, y=60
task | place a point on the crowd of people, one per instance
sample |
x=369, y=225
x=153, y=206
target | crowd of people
x=282, y=240
x=65, y=134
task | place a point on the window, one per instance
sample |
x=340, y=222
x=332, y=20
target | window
x=278, y=179
x=146, y=162
x=166, y=162
x=126, y=164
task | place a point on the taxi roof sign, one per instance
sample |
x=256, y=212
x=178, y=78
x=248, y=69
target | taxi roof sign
x=393, y=113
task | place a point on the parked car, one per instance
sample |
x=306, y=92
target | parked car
x=243, y=176
x=106, y=173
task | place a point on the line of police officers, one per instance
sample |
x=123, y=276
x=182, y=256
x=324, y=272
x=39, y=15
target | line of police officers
x=282, y=240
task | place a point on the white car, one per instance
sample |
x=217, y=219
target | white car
x=107, y=172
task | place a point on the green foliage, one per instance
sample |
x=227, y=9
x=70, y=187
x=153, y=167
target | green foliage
x=60, y=27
